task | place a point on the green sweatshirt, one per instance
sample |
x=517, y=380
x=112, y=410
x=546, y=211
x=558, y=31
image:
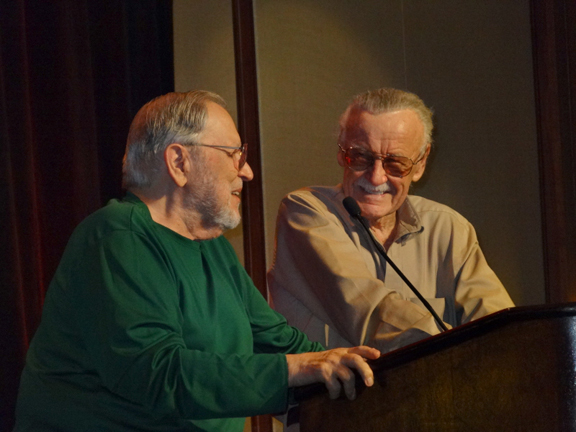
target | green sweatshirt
x=146, y=330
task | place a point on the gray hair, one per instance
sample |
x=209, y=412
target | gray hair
x=388, y=99
x=173, y=117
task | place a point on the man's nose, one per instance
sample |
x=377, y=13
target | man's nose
x=246, y=173
x=377, y=174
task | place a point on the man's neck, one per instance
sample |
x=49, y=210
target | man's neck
x=384, y=229
x=169, y=212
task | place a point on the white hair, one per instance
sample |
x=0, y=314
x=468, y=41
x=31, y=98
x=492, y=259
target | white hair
x=386, y=100
x=173, y=117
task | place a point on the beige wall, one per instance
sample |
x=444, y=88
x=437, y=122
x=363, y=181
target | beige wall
x=469, y=59
x=204, y=59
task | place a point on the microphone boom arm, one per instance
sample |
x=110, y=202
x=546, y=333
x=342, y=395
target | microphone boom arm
x=354, y=210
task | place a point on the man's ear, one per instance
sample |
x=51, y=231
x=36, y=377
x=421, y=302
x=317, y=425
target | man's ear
x=177, y=163
x=421, y=166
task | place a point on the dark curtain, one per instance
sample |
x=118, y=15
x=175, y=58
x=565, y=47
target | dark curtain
x=554, y=53
x=72, y=75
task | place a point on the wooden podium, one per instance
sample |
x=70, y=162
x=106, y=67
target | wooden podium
x=511, y=371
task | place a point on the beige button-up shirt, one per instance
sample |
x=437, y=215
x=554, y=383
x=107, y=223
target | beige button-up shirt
x=329, y=280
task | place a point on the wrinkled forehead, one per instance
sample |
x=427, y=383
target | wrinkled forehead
x=351, y=124
x=219, y=126
x=356, y=119
x=359, y=124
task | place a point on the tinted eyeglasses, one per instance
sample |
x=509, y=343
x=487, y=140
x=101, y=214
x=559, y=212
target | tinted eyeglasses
x=238, y=154
x=360, y=159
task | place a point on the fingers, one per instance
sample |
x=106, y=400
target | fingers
x=341, y=377
x=334, y=386
x=333, y=368
x=348, y=382
x=353, y=361
x=366, y=352
x=361, y=366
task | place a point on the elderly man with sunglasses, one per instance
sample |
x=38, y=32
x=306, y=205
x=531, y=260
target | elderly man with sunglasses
x=328, y=277
x=151, y=323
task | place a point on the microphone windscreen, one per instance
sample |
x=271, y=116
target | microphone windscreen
x=352, y=207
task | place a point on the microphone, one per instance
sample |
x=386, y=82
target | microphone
x=353, y=209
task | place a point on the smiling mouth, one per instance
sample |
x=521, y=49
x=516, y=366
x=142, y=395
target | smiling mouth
x=236, y=193
x=375, y=191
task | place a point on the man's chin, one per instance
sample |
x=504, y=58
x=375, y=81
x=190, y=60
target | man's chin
x=232, y=220
x=369, y=199
x=375, y=210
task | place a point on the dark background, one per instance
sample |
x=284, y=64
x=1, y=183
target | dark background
x=74, y=72
x=72, y=75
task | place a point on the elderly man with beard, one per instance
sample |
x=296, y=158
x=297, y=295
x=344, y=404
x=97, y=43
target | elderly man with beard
x=328, y=278
x=151, y=323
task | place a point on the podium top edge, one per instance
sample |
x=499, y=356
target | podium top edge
x=483, y=325
x=453, y=337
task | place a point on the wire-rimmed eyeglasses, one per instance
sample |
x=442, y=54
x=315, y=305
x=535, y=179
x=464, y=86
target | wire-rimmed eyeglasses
x=360, y=159
x=238, y=154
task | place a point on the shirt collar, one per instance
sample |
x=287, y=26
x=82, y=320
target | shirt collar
x=409, y=222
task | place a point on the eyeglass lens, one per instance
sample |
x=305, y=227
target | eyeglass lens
x=243, y=155
x=360, y=160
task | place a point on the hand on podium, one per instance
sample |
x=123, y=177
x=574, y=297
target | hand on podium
x=333, y=368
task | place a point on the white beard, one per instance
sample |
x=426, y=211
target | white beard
x=203, y=198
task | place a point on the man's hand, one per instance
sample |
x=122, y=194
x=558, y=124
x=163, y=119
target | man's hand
x=333, y=368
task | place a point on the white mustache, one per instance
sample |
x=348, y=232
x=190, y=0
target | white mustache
x=370, y=188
